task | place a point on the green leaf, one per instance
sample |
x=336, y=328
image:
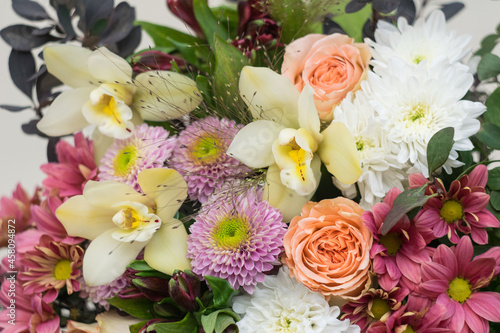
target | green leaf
x=228, y=17
x=187, y=325
x=494, y=179
x=135, y=328
x=405, y=202
x=487, y=44
x=438, y=148
x=140, y=265
x=228, y=64
x=353, y=23
x=141, y=308
x=495, y=200
x=163, y=36
x=488, y=67
x=205, y=89
x=222, y=291
x=492, y=114
x=208, y=22
x=219, y=320
x=490, y=135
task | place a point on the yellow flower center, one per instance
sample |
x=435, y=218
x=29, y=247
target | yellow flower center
x=230, y=232
x=107, y=105
x=417, y=113
x=452, y=211
x=392, y=242
x=299, y=156
x=459, y=289
x=379, y=308
x=206, y=150
x=131, y=219
x=63, y=270
x=408, y=329
x=135, y=222
x=124, y=160
x=418, y=59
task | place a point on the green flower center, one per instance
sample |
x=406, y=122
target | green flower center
x=459, y=289
x=392, y=243
x=417, y=113
x=408, y=329
x=63, y=270
x=124, y=160
x=417, y=60
x=230, y=232
x=206, y=150
x=379, y=308
x=452, y=211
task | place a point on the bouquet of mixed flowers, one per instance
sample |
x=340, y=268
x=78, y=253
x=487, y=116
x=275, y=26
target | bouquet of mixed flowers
x=267, y=172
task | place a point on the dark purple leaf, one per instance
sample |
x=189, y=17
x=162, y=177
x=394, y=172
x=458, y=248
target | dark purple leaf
x=30, y=10
x=129, y=44
x=31, y=129
x=91, y=11
x=42, y=31
x=24, y=38
x=51, y=149
x=354, y=6
x=120, y=24
x=63, y=14
x=44, y=85
x=385, y=6
x=14, y=108
x=22, y=67
x=451, y=9
x=69, y=4
x=330, y=27
x=369, y=30
x=407, y=10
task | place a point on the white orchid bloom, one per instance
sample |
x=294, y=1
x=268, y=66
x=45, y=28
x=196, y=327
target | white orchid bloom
x=286, y=132
x=120, y=222
x=105, y=95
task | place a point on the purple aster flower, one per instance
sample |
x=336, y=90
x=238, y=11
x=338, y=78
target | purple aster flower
x=149, y=147
x=239, y=241
x=200, y=156
x=99, y=294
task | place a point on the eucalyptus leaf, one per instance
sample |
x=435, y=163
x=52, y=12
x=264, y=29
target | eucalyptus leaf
x=222, y=291
x=492, y=113
x=129, y=44
x=141, y=308
x=22, y=66
x=495, y=200
x=51, y=149
x=187, y=325
x=438, y=148
x=494, y=179
x=91, y=11
x=30, y=10
x=489, y=67
x=208, y=22
x=488, y=43
x=490, y=135
x=354, y=6
x=405, y=202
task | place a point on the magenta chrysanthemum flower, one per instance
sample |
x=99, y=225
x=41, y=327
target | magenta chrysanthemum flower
x=50, y=267
x=398, y=254
x=239, y=241
x=99, y=294
x=453, y=280
x=200, y=156
x=462, y=208
x=149, y=147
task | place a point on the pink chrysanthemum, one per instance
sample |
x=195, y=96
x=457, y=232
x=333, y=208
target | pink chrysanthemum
x=239, y=241
x=50, y=267
x=200, y=156
x=462, y=208
x=374, y=305
x=398, y=254
x=74, y=168
x=149, y=147
x=99, y=294
x=453, y=280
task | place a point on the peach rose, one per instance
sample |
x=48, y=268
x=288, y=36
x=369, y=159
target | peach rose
x=332, y=64
x=327, y=249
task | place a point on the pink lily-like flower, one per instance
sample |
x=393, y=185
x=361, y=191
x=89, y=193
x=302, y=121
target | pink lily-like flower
x=462, y=208
x=398, y=254
x=453, y=279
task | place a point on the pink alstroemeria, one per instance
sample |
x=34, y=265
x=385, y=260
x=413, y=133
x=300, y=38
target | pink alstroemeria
x=462, y=208
x=74, y=168
x=453, y=279
x=398, y=254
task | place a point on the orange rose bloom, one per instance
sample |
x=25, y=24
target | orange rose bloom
x=332, y=64
x=327, y=249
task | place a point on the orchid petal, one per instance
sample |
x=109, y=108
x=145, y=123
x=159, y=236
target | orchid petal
x=253, y=143
x=106, y=193
x=166, y=187
x=106, y=66
x=338, y=153
x=269, y=95
x=308, y=115
x=113, y=322
x=68, y=63
x=81, y=219
x=164, y=95
x=167, y=250
x=65, y=114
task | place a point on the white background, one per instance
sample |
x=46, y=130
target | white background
x=21, y=155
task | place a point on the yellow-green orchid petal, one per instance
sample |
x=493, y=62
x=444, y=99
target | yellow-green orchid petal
x=166, y=187
x=106, y=193
x=339, y=154
x=308, y=115
x=68, y=63
x=167, y=250
x=269, y=95
x=163, y=95
x=113, y=322
x=108, y=67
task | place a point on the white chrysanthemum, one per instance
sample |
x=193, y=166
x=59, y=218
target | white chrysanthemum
x=416, y=102
x=281, y=304
x=425, y=40
x=381, y=170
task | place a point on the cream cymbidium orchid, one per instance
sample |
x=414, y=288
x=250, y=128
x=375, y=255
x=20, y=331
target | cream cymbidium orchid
x=120, y=222
x=286, y=132
x=105, y=95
